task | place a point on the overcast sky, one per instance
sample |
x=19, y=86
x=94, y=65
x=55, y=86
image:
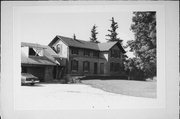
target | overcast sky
x=43, y=27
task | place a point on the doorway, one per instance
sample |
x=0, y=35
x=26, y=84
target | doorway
x=95, y=68
x=102, y=68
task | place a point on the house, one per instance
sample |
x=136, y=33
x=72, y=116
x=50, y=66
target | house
x=65, y=55
x=88, y=58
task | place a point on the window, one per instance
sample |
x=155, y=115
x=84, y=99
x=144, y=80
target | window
x=74, y=51
x=32, y=52
x=74, y=65
x=112, y=66
x=115, y=53
x=59, y=48
x=95, y=54
x=35, y=52
x=86, y=66
x=86, y=52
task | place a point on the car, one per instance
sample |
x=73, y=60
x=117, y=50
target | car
x=27, y=78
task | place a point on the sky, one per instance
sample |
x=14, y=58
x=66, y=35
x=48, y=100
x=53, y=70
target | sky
x=43, y=27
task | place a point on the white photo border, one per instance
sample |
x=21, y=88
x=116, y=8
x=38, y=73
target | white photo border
x=13, y=47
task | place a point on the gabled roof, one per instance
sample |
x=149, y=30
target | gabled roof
x=36, y=60
x=75, y=43
x=85, y=44
x=106, y=46
x=47, y=59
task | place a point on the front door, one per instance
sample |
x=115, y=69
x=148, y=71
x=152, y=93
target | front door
x=102, y=68
x=95, y=68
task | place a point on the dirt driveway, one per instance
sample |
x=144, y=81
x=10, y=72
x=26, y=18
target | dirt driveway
x=72, y=96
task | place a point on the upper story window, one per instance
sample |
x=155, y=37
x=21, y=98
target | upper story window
x=35, y=52
x=59, y=48
x=86, y=52
x=86, y=66
x=74, y=65
x=95, y=54
x=115, y=53
x=74, y=51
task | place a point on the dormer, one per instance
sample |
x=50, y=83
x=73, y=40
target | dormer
x=32, y=49
x=36, y=52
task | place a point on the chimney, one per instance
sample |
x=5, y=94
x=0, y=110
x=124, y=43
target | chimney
x=74, y=37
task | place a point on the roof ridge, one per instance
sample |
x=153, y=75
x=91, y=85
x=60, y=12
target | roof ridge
x=76, y=39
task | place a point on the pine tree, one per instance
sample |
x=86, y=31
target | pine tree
x=93, y=37
x=113, y=34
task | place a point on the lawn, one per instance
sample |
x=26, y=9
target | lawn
x=125, y=87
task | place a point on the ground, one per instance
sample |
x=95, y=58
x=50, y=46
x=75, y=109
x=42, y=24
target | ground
x=73, y=96
x=125, y=87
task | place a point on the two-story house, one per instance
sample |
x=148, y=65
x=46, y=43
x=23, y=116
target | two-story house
x=71, y=56
x=88, y=58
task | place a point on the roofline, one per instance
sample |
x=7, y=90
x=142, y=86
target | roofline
x=62, y=40
x=54, y=64
x=121, y=46
x=59, y=37
x=25, y=44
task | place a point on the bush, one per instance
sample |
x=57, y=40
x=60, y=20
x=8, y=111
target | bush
x=71, y=79
x=135, y=74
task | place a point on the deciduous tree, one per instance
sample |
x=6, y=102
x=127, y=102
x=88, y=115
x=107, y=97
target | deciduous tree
x=144, y=45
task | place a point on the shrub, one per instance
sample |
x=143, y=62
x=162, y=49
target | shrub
x=71, y=79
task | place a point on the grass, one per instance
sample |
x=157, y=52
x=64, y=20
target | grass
x=125, y=87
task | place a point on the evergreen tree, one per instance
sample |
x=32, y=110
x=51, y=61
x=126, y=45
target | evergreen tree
x=93, y=37
x=113, y=34
x=144, y=45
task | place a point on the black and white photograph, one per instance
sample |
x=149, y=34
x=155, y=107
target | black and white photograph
x=88, y=56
